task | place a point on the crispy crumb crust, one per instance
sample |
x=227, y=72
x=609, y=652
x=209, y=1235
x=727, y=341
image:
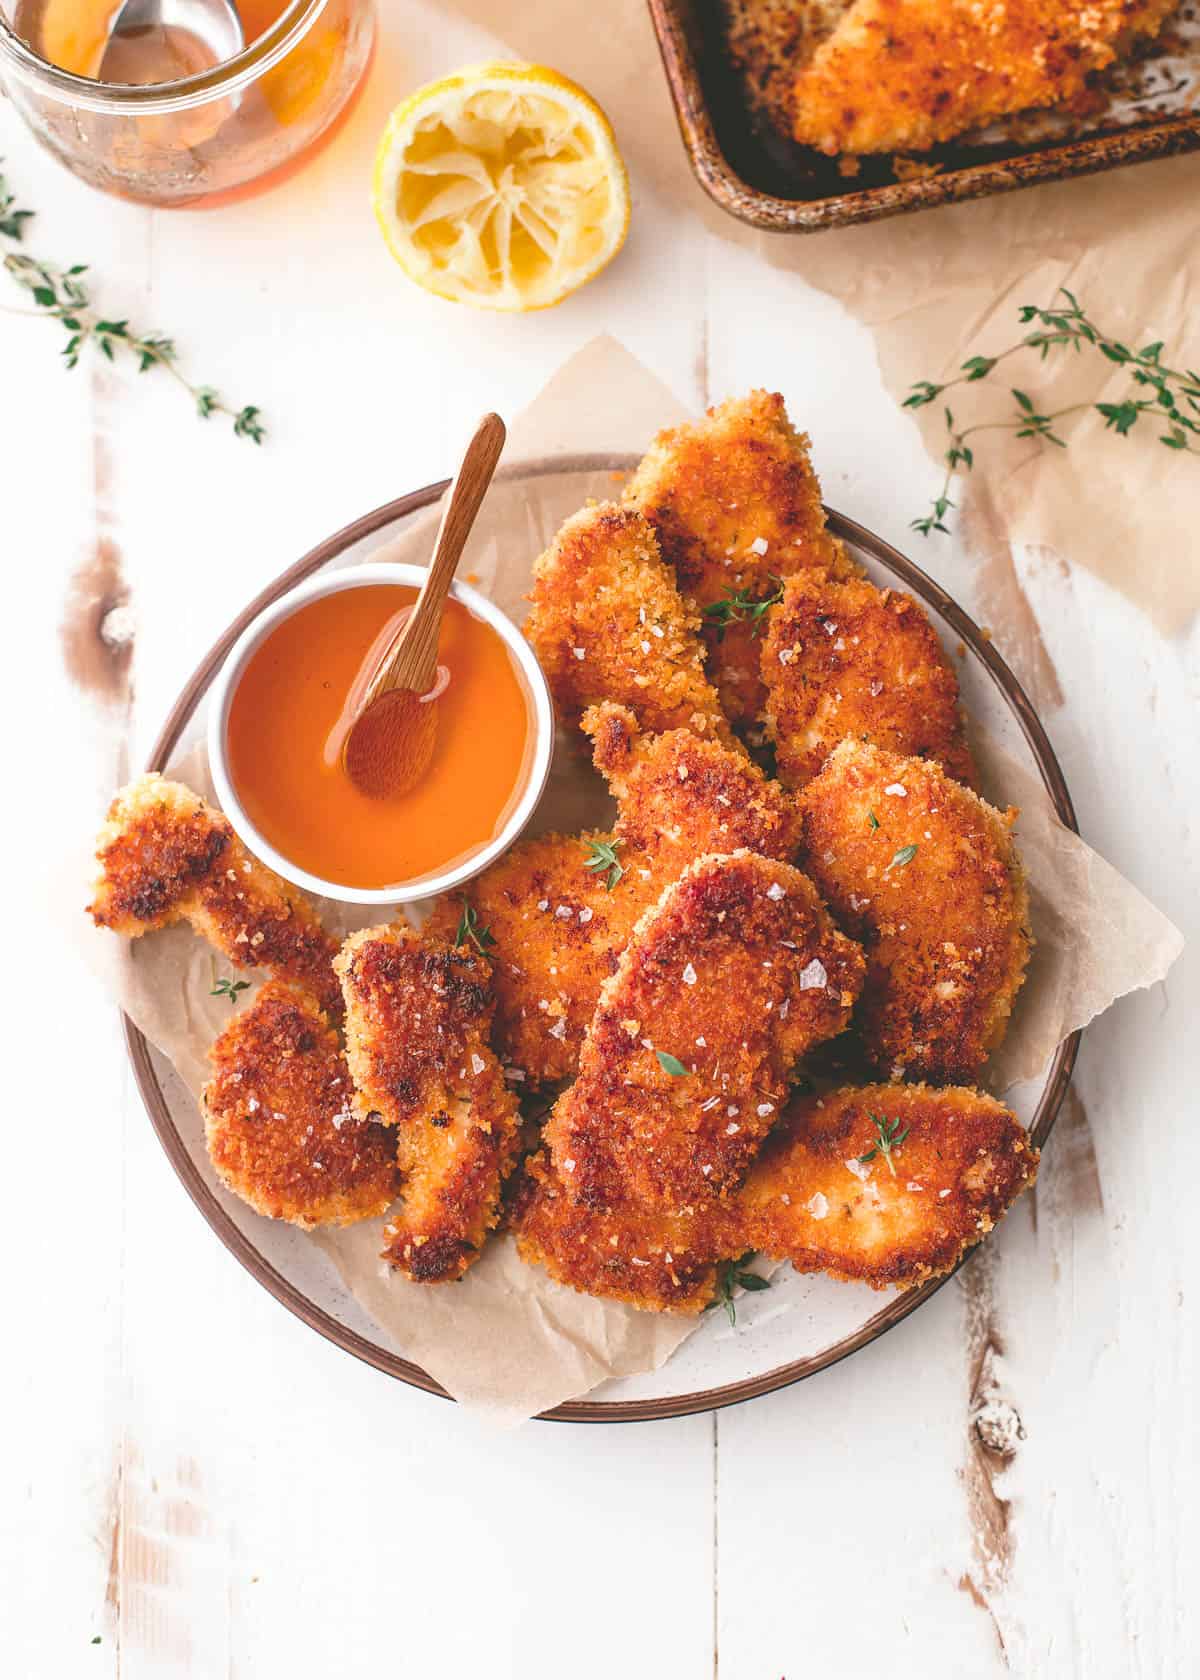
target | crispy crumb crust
x=736, y=971
x=645, y=1258
x=164, y=855
x=847, y=659
x=558, y=932
x=278, y=1120
x=717, y=492
x=811, y=1199
x=418, y=1014
x=945, y=929
x=559, y=928
x=608, y=623
x=905, y=74
x=768, y=42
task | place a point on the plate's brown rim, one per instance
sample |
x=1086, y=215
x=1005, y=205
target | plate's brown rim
x=581, y=1411
x=727, y=189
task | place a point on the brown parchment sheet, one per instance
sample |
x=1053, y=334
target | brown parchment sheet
x=507, y=1341
x=940, y=285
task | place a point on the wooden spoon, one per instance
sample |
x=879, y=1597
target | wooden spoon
x=390, y=743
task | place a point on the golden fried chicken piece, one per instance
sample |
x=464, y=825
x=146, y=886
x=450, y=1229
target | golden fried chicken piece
x=736, y=506
x=658, y=1261
x=164, y=855
x=608, y=623
x=847, y=659
x=727, y=980
x=557, y=931
x=901, y=75
x=826, y=1193
x=925, y=876
x=560, y=924
x=679, y=797
x=418, y=1014
x=278, y=1120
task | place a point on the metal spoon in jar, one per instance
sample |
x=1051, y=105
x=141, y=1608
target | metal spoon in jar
x=149, y=40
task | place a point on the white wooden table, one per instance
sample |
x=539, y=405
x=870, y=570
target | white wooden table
x=1007, y=1480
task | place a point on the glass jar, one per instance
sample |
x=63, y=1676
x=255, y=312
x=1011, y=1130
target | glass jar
x=221, y=133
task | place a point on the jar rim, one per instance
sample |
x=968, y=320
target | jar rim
x=218, y=82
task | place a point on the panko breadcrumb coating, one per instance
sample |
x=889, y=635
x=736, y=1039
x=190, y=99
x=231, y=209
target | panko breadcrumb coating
x=649, y=1259
x=769, y=41
x=679, y=797
x=847, y=659
x=278, y=1120
x=727, y=980
x=164, y=855
x=901, y=75
x=823, y=1195
x=925, y=876
x=608, y=623
x=737, y=506
x=560, y=927
x=418, y=1014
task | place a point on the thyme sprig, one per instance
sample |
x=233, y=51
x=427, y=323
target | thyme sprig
x=604, y=858
x=469, y=931
x=226, y=988
x=1169, y=396
x=740, y=606
x=888, y=1136
x=61, y=294
x=731, y=1275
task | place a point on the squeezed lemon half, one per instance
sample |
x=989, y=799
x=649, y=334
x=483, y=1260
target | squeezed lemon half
x=501, y=186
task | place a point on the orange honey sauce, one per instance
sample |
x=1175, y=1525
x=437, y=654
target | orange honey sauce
x=288, y=715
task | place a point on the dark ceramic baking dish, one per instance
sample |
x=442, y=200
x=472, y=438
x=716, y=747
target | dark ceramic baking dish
x=770, y=183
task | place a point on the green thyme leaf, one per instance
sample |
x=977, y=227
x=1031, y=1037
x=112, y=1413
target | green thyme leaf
x=604, y=857
x=227, y=988
x=670, y=1064
x=904, y=856
x=469, y=931
x=732, y=1274
x=888, y=1136
x=740, y=606
x=872, y=820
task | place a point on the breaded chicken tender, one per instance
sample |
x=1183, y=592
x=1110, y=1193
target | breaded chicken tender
x=560, y=915
x=278, y=1120
x=727, y=980
x=557, y=930
x=418, y=1014
x=847, y=659
x=608, y=623
x=925, y=876
x=657, y=1261
x=901, y=75
x=737, y=506
x=679, y=797
x=825, y=1195
x=164, y=855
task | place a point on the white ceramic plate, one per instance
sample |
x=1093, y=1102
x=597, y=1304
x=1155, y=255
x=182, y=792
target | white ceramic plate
x=802, y=1324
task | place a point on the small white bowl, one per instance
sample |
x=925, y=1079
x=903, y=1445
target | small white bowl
x=332, y=583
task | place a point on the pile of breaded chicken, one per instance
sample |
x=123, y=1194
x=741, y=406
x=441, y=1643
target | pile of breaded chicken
x=751, y=1016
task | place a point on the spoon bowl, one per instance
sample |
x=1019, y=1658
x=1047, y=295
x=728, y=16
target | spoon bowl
x=391, y=745
x=162, y=40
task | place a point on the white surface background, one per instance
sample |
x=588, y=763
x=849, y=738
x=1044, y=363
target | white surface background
x=195, y=1477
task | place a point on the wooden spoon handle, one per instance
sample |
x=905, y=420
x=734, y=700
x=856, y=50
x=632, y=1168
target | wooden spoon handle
x=412, y=660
